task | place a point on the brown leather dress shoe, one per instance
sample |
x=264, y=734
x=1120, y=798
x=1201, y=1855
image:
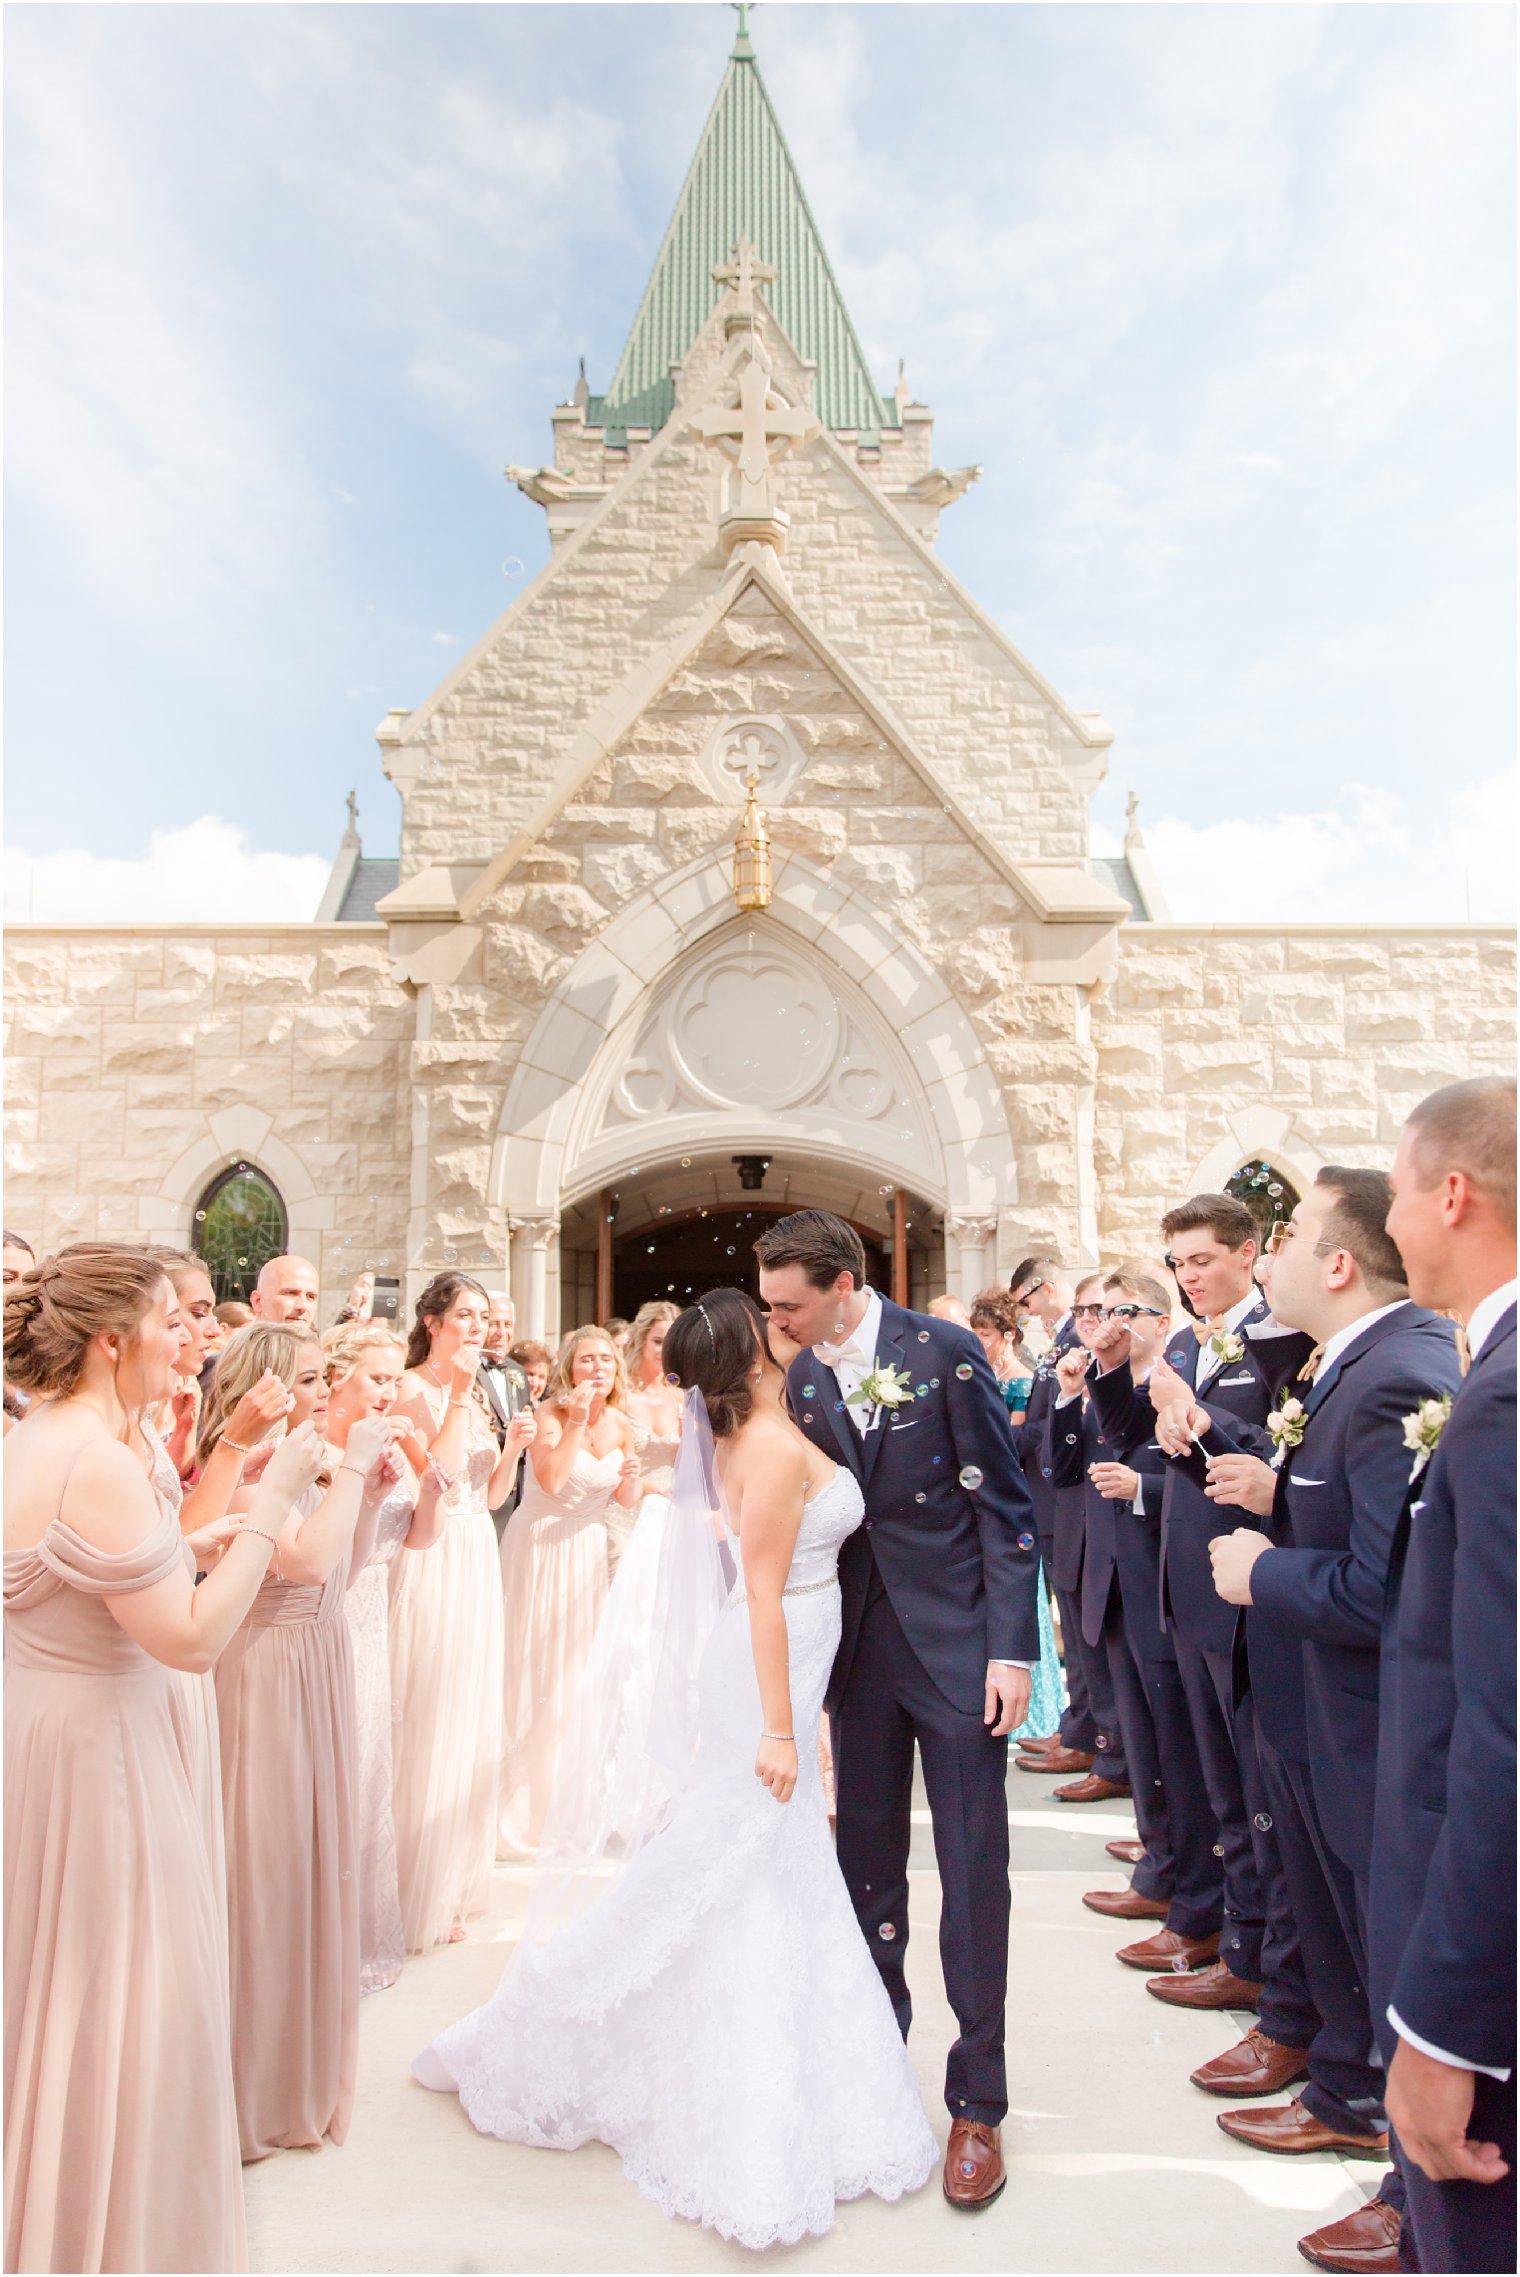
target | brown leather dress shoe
x=1039, y=1746
x=1365, y=2240
x=1130, y=1852
x=1058, y=1759
x=974, y=2170
x=1258, y=2066
x=1169, y=1949
x=1214, y=1987
x=1125, y=1905
x=1289, y=2130
x=1092, y=1789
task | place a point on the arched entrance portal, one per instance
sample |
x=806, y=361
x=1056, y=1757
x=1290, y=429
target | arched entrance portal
x=677, y=1228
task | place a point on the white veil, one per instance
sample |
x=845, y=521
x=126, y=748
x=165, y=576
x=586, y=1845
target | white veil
x=630, y=1746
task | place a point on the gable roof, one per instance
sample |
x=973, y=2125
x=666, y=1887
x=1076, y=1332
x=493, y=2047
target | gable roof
x=743, y=182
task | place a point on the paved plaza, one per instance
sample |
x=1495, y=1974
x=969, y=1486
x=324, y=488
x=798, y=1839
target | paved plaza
x=1115, y=2162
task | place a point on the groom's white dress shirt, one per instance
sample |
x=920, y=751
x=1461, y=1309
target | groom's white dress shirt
x=853, y=1360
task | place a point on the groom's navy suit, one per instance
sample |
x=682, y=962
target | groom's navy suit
x=940, y=1579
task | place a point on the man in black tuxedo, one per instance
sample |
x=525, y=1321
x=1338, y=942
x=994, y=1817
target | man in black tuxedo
x=940, y=1631
x=1442, y=1927
x=1042, y=1290
x=505, y=1387
x=1315, y=1585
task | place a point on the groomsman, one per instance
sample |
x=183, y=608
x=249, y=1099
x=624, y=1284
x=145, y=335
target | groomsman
x=1443, y=1860
x=1178, y=1880
x=505, y=1387
x=1315, y=1584
x=1233, y=1361
x=1042, y=1291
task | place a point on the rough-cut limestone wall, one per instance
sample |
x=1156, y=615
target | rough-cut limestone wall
x=1337, y=1033
x=124, y=1047
x=858, y=811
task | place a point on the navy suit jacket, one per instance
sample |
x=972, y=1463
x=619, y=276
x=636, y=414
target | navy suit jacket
x=1314, y=1630
x=1241, y=1394
x=1136, y=1533
x=959, y=1561
x=1058, y=1509
x=1442, y=1929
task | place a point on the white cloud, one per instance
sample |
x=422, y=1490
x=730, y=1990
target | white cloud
x=445, y=640
x=1371, y=854
x=204, y=871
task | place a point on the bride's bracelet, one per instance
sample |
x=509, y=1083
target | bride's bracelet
x=245, y=1528
x=790, y=1738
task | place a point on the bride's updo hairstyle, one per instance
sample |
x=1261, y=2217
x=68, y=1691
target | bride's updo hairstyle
x=53, y=1313
x=711, y=1347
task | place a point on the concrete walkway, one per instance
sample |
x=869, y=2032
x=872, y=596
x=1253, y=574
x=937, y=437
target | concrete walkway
x=1115, y=2161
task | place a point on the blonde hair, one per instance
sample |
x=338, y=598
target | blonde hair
x=346, y=1345
x=262, y=1346
x=561, y=1382
x=54, y=1312
x=647, y=1317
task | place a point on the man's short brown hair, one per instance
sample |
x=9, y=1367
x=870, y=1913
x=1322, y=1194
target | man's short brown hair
x=1470, y=1127
x=1221, y=1215
x=1036, y=1269
x=1357, y=1223
x=823, y=1245
x=1140, y=1287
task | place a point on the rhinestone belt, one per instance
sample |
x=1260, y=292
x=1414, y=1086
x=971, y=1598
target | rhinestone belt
x=806, y=1588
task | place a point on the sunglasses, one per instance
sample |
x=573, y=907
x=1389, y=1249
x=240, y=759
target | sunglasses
x=1089, y=1312
x=1135, y=1312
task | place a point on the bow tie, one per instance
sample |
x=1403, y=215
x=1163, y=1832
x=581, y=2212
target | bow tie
x=1204, y=1329
x=1310, y=1368
x=833, y=1354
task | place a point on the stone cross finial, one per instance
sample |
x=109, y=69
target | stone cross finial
x=1132, y=815
x=352, y=803
x=746, y=430
x=743, y=270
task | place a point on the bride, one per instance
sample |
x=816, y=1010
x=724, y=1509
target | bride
x=691, y=1986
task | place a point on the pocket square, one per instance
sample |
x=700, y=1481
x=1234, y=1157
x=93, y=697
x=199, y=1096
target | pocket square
x=1233, y=1383
x=1295, y=1480
x=910, y=1425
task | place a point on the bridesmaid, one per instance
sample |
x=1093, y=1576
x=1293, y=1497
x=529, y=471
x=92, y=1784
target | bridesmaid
x=365, y=1360
x=285, y=1697
x=554, y=1568
x=446, y=1627
x=121, y=2147
x=996, y=1324
x=654, y=1407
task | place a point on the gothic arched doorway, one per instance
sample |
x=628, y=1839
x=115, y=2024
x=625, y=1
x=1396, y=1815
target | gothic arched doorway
x=677, y=1228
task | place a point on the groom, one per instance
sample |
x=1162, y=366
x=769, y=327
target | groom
x=939, y=1634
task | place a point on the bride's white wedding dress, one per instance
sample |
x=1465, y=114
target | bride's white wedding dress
x=717, y=2018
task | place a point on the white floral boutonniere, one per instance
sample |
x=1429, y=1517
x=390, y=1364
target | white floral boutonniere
x=1286, y=1424
x=883, y=1387
x=1422, y=1431
x=1227, y=1347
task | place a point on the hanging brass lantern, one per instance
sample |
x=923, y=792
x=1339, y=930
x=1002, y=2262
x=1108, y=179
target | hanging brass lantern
x=752, y=856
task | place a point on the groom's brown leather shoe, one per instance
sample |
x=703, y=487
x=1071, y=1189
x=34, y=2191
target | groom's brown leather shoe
x=1057, y=1759
x=974, y=2170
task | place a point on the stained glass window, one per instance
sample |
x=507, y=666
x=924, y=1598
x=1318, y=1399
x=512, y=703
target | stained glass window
x=240, y=1223
x=1267, y=1194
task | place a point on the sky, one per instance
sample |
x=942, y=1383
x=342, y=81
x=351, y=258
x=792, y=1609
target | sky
x=1222, y=298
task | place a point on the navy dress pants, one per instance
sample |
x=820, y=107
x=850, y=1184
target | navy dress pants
x=889, y=1702
x=1466, y=2226
x=1345, y=2085
x=1181, y=1862
x=1077, y=1727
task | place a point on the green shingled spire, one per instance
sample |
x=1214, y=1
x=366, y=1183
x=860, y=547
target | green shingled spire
x=742, y=183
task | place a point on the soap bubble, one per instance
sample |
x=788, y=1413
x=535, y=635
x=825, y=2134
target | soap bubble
x=511, y=567
x=200, y=1217
x=686, y=1162
x=730, y=1250
x=920, y=1498
x=923, y=1336
x=971, y=1478
x=934, y=1383
x=883, y=1189
x=1274, y=1191
x=965, y=1371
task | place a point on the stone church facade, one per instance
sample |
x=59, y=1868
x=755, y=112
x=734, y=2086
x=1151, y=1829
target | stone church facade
x=549, y=1046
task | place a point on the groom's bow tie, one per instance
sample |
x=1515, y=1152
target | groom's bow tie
x=832, y=1354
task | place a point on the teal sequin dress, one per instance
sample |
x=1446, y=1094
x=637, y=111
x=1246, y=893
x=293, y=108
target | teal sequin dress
x=1047, y=1688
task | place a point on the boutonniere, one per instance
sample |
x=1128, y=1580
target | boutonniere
x=1226, y=1346
x=1286, y=1425
x=1422, y=1431
x=883, y=1387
